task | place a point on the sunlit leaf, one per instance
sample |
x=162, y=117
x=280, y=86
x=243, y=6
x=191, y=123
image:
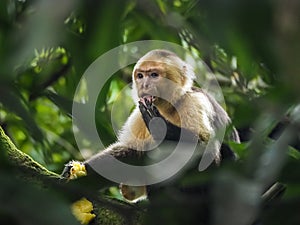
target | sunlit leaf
x=13, y=101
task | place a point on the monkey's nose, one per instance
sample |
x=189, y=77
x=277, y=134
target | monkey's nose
x=146, y=86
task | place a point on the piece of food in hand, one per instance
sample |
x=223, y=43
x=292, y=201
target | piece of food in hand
x=73, y=170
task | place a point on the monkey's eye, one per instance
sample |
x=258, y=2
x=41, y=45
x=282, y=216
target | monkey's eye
x=154, y=75
x=140, y=75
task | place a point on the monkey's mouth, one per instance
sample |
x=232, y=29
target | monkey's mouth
x=147, y=99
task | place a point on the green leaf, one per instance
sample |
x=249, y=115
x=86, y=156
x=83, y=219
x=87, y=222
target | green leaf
x=14, y=102
x=60, y=101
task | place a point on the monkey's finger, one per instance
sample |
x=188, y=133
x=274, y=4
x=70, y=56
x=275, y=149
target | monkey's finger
x=148, y=103
x=156, y=113
x=143, y=108
x=148, y=109
x=148, y=100
x=142, y=101
x=147, y=116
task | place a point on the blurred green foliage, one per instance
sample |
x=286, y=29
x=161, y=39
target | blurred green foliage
x=252, y=47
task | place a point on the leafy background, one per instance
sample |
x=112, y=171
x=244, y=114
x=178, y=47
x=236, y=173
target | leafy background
x=251, y=46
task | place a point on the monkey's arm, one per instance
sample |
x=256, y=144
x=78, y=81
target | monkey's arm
x=173, y=132
x=149, y=111
x=75, y=169
x=132, y=140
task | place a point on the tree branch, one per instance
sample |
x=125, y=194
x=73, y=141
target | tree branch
x=108, y=211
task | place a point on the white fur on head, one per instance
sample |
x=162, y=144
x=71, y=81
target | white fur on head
x=168, y=57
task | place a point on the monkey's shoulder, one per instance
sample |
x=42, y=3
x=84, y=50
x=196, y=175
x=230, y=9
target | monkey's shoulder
x=197, y=101
x=193, y=112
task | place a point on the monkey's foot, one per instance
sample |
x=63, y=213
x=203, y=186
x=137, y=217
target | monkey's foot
x=133, y=194
x=73, y=170
x=82, y=210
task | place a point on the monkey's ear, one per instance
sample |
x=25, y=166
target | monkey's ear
x=184, y=72
x=134, y=92
x=188, y=75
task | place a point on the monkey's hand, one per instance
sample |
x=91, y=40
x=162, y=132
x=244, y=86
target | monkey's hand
x=173, y=133
x=73, y=170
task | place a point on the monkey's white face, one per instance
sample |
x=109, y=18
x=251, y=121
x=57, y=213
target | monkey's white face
x=148, y=78
x=158, y=81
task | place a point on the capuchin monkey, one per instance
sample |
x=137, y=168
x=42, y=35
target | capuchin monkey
x=163, y=91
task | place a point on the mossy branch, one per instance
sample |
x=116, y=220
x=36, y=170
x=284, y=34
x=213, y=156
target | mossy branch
x=21, y=160
x=108, y=211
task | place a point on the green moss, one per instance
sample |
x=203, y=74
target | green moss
x=109, y=217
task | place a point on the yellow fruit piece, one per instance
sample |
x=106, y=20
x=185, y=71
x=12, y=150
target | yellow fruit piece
x=77, y=170
x=82, y=210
